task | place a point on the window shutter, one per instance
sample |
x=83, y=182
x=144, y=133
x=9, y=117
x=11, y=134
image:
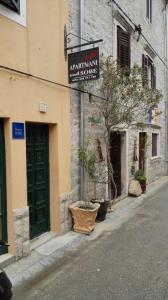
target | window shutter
x=12, y=4
x=153, y=77
x=145, y=69
x=123, y=48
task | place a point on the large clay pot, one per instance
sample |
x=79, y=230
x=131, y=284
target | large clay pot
x=84, y=218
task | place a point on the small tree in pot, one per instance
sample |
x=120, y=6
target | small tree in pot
x=95, y=166
x=140, y=176
x=84, y=212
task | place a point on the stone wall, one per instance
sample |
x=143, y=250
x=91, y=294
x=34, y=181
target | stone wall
x=65, y=215
x=21, y=232
x=100, y=21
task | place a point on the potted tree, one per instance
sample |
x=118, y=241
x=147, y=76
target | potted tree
x=118, y=101
x=84, y=212
x=96, y=169
x=140, y=176
x=123, y=102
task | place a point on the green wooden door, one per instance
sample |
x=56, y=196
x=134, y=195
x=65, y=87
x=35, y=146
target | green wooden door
x=37, y=145
x=3, y=214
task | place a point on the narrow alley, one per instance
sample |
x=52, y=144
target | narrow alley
x=130, y=263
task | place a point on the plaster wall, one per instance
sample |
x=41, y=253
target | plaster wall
x=34, y=49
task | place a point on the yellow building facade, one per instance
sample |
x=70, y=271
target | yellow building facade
x=35, y=141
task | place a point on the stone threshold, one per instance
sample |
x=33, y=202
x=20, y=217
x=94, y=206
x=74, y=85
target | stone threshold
x=6, y=259
x=42, y=239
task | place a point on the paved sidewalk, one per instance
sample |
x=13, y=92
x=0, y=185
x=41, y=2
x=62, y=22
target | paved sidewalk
x=52, y=251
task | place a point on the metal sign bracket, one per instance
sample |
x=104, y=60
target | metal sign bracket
x=66, y=40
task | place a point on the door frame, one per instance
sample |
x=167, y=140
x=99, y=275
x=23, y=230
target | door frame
x=3, y=179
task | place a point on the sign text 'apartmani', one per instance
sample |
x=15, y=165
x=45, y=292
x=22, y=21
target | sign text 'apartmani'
x=83, y=65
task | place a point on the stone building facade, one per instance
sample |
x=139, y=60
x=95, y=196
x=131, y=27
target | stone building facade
x=102, y=19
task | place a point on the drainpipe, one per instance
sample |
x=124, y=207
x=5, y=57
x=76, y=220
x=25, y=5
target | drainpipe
x=81, y=104
x=165, y=83
x=112, y=19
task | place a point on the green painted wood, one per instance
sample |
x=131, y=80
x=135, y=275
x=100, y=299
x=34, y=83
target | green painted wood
x=38, y=178
x=3, y=204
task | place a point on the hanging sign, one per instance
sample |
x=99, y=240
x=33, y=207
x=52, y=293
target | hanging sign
x=17, y=131
x=83, y=65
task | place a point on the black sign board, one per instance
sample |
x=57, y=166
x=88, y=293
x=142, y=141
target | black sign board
x=83, y=65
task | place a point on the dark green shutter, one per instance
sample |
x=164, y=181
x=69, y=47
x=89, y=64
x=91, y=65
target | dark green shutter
x=11, y=4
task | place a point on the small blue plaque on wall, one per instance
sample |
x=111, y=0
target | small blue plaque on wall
x=18, y=131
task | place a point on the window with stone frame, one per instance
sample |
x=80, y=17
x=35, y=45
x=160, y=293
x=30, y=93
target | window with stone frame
x=14, y=5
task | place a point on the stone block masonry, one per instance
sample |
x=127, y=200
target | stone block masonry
x=21, y=232
x=100, y=21
x=65, y=215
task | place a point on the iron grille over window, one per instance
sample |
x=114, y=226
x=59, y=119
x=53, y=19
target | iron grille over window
x=11, y=4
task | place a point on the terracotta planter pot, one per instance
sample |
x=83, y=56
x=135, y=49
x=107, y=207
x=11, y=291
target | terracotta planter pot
x=84, y=219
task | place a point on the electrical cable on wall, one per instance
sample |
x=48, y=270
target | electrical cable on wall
x=52, y=82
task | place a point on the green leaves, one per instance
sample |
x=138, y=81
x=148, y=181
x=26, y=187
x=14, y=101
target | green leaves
x=126, y=99
x=87, y=156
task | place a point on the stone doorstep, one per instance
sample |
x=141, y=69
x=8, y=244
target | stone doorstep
x=6, y=259
x=42, y=239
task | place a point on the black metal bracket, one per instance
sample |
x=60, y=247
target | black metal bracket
x=139, y=30
x=76, y=46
